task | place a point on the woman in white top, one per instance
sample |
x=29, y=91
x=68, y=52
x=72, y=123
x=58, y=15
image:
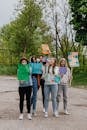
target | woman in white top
x=51, y=86
x=65, y=75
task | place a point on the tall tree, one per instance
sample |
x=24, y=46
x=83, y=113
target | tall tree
x=26, y=33
x=79, y=19
x=57, y=15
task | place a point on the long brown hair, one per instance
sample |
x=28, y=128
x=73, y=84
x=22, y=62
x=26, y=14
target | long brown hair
x=53, y=66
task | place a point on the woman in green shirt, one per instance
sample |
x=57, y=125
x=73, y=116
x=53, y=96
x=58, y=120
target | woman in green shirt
x=25, y=86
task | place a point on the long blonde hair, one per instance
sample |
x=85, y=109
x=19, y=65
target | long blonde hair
x=63, y=59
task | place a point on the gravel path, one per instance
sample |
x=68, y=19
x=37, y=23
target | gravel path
x=9, y=111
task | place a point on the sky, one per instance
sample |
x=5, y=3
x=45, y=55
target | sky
x=7, y=10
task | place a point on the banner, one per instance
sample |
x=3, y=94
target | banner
x=73, y=59
x=45, y=49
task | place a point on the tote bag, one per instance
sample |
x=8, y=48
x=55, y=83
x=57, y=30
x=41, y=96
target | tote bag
x=57, y=79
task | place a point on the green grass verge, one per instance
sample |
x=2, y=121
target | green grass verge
x=8, y=69
x=80, y=80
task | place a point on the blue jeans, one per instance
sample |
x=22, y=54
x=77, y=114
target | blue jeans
x=53, y=90
x=34, y=95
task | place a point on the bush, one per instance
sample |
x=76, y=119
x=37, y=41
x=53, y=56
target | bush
x=80, y=78
x=8, y=69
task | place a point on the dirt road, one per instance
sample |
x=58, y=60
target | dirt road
x=9, y=111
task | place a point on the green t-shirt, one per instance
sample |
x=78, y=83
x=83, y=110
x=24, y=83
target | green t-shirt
x=23, y=72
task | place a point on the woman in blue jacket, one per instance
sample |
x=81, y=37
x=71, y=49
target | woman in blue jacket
x=36, y=71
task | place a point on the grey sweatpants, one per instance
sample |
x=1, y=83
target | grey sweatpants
x=62, y=89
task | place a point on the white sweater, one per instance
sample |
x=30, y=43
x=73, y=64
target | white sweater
x=49, y=77
x=66, y=77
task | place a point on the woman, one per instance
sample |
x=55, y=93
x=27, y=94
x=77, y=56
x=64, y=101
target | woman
x=51, y=86
x=36, y=71
x=65, y=75
x=25, y=86
x=42, y=81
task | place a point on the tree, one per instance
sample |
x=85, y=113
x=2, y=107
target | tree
x=79, y=19
x=58, y=18
x=26, y=33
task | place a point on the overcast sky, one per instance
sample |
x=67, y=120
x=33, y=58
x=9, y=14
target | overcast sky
x=6, y=10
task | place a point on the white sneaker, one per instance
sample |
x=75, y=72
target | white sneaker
x=21, y=117
x=34, y=113
x=46, y=115
x=44, y=110
x=29, y=116
x=66, y=112
x=56, y=114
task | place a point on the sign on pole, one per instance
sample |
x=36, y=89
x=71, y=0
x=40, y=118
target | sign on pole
x=45, y=49
x=73, y=59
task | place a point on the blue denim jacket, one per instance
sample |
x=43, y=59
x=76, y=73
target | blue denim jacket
x=36, y=68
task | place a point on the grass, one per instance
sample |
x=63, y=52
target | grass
x=8, y=69
x=80, y=79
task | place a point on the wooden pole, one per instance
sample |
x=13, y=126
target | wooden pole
x=71, y=76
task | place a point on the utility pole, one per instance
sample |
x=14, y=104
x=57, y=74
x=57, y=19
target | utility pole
x=56, y=32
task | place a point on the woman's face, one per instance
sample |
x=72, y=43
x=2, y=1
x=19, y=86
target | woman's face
x=63, y=63
x=24, y=62
x=41, y=58
x=38, y=60
x=52, y=62
x=34, y=59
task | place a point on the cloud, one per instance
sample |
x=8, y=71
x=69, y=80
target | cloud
x=6, y=10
